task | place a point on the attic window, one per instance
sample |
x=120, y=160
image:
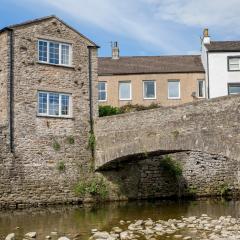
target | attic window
x=54, y=53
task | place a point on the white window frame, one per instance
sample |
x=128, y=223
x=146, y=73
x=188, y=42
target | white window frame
x=229, y=63
x=179, y=89
x=60, y=53
x=103, y=91
x=155, y=91
x=204, y=88
x=60, y=105
x=125, y=99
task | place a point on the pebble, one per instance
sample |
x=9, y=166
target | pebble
x=202, y=228
x=10, y=236
x=31, y=235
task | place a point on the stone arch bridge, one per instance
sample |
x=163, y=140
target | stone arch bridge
x=211, y=126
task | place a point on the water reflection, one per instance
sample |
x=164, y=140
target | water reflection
x=70, y=221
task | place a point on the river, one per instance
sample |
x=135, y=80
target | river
x=71, y=221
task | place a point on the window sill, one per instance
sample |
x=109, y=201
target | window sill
x=55, y=117
x=150, y=98
x=174, y=98
x=56, y=65
x=102, y=100
x=125, y=99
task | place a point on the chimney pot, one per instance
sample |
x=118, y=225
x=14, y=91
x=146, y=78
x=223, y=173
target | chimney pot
x=206, y=37
x=115, y=51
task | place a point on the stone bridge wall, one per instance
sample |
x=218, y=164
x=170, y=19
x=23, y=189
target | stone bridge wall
x=211, y=126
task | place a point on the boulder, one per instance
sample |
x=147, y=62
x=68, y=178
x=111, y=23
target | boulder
x=31, y=235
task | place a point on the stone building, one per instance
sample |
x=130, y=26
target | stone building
x=48, y=100
x=164, y=80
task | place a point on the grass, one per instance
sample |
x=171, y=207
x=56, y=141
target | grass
x=56, y=146
x=61, y=166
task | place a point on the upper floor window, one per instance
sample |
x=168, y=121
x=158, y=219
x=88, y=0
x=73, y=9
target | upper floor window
x=54, y=104
x=234, y=63
x=201, y=88
x=54, y=52
x=125, y=90
x=233, y=88
x=102, y=91
x=173, y=89
x=149, y=89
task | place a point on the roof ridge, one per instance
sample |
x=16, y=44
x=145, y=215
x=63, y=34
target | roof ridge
x=193, y=55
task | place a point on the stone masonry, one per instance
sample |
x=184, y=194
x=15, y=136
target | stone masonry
x=31, y=174
x=210, y=126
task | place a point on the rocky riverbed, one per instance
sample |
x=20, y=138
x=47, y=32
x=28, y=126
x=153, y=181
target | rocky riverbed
x=186, y=228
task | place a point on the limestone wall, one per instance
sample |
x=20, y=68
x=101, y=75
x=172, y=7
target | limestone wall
x=202, y=175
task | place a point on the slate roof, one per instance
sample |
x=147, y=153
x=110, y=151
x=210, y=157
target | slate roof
x=43, y=19
x=153, y=64
x=223, y=46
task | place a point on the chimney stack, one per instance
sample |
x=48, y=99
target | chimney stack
x=206, y=37
x=115, y=51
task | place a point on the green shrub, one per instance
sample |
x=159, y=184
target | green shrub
x=108, y=111
x=192, y=191
x=224, y=190
x=172, y=167
x=56, y=146
x=61, y=166
x=70, y=140
x=96, y=187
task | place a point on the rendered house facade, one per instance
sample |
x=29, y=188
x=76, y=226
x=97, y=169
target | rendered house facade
x=221, y=61
x=162, y=80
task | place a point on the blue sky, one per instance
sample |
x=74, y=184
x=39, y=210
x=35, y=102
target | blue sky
x=142, y=27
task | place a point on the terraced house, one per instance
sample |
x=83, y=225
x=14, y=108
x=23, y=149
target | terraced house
x=163, y=80
x=171, y=80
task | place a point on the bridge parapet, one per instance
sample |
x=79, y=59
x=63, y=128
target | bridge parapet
x=211, y=126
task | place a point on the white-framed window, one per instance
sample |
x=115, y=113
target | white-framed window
x=201, y=88
x=125, y=90
x=54, y=104
x=149, y=89
x=54, y=53
x=234, y=63
x=102, y=91
x=233, y=88
x=173, y=89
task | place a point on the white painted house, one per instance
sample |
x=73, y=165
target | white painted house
x=221, y=61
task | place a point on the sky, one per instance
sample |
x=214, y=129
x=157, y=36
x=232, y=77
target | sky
x=141, y=27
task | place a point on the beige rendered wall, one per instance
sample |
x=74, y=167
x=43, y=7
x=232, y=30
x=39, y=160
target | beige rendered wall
x=188, y=85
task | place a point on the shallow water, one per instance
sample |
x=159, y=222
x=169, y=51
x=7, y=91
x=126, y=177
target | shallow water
x=69, y=221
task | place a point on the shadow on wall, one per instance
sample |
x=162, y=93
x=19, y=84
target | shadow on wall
x=182, y=174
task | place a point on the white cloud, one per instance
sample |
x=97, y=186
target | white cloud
x=157, y=24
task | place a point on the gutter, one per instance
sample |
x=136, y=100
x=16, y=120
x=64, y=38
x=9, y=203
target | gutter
x=11, y=89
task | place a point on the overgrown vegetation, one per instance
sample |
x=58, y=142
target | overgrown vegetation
x=110, y=110
x=192, y=191
x=224, y=190
x=96, y=187
x=56, y=145
x=61, y=166
x=175, y=133
x=70, y=140
x=171, y=166
x=91, y=141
